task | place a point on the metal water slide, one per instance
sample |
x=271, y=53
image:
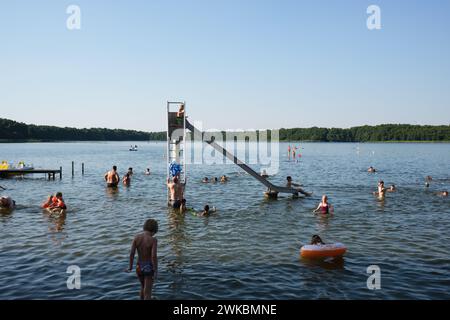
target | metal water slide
x=241, y=164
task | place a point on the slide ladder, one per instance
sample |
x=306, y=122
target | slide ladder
x=176, y=138
x=270, y=186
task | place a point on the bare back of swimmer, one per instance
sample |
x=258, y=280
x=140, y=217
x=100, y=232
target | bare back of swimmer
x=176, y=190
x=112, y=177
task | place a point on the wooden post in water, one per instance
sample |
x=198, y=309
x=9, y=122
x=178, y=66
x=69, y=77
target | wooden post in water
x=82, y=168
x=60, y=173
x=73, y=169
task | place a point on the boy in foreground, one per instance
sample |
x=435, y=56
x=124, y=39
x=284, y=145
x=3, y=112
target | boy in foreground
x=147, y=266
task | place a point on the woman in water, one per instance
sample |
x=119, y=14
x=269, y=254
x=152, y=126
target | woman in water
x=205, y=180
x=371, y=170
x=324, y=207
x=147, y=173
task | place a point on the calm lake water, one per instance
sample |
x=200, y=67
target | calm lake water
x=250, y=249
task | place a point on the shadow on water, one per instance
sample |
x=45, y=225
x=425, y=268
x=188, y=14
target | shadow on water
x=177, y=240
x=57, y=221
x=323, y=222
x=112, y=193
x=5, y=214
x=327, y=264
x=381, y=203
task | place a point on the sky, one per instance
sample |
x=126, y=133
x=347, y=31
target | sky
x=238, y=64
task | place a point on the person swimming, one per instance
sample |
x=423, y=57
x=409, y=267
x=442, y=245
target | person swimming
x=371, y=170
x=205, y=213
x=7, y=203
x=392, y=188
x=223, y=179
x=316, y=240
x=57, y=204
x=291, y=184
x=205, y=180
x=324, y=207
x=147, y=172
x=443, y=193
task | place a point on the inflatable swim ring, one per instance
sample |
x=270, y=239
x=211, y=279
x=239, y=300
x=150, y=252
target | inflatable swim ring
x=323, y=251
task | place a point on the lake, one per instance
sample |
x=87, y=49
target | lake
x=250, y=248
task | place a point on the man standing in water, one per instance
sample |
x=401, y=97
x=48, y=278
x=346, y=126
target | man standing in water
x=112, y=178
x=176, y=191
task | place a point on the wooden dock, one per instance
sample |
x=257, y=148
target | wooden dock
x=51, y=173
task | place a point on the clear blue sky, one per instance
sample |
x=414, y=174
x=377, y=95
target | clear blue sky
x=238, y=64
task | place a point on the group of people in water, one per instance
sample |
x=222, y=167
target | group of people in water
x=382, y=190
x=292, y=151
x=112, y=178
x=55, y=203
x=145, y=243
x=223, y=179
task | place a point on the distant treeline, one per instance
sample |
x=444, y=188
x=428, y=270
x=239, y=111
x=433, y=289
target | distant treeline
x=384, y=132
x=16, y=131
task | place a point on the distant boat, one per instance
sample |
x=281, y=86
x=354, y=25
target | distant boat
x=135, y=148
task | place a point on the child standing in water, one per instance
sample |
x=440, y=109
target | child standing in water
x=324, y=207
x=126, y=179
x=381, y=190
x=58, y=203
x=147, y=267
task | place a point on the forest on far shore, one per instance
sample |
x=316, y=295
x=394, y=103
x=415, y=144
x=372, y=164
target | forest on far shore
x=16, y=131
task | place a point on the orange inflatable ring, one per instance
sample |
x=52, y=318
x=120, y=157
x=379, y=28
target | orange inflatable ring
x=318, y=251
